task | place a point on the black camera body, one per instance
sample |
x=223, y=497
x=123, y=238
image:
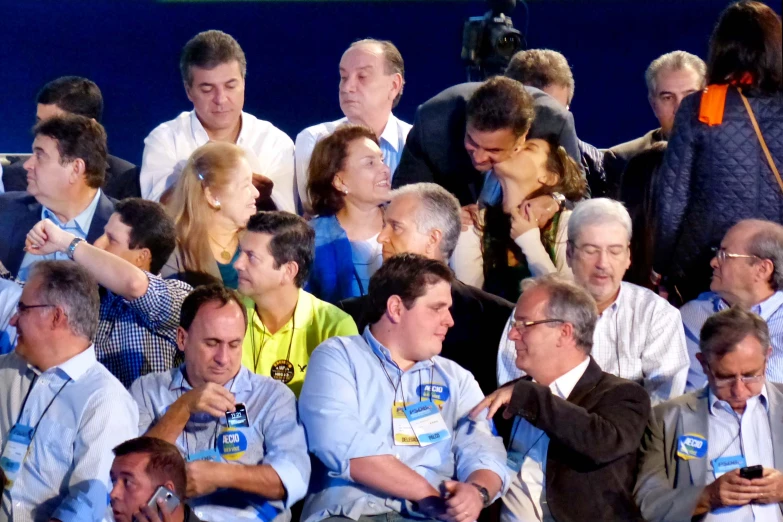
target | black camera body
x=489, y=41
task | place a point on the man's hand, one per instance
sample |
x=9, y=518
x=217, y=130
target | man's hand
x=148, y=514
x=463, y=501
x=493, y=401
x=47, y=238
x=469, y=216
x=730, y=490
x=542, y=208
x=769, y=488
x=203, y=477
x=522, y=220
x=209, y=398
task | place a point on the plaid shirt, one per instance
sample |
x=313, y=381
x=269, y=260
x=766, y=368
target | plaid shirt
x=139, y=337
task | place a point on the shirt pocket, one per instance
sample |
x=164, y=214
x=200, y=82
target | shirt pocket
x=52, y=445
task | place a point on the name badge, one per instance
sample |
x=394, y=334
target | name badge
x=427, y=423
x=401, y=428
x=691, y=446
x=514, y=460
x=19, y=439
x=231, y=444
x=723, y=465
x=211, y=455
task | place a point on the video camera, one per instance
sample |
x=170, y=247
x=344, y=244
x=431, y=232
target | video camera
x=489, y=41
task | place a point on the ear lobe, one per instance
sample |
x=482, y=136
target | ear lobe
x=394, y=307
x=291, y=270
x=182, y=337
x=436, y=236
x=143, y=258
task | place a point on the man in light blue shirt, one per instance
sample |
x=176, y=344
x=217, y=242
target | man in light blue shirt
x=61, y=412
x=372, y=77
x=239, y=432
x=360, y=405
x=696, y=447
x=747, y=271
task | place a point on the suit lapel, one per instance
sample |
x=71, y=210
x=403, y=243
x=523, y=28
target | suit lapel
x=586, y=383
x=23, y=224
x=694, y=420
x=101, y=216
x=776, y=422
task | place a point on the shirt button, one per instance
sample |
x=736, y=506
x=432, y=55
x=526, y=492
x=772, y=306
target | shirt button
x=372, y=504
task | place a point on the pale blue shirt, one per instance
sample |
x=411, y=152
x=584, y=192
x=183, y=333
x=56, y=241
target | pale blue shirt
x=78, y=226
x=695, y=313
x=10, y=292
x=275, y=438
x=66, y=472
x=346, y=408
x=749, y=435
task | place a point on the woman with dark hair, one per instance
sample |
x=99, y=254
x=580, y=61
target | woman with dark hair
x=347, y=183
x=517, y=242
x=724, y=158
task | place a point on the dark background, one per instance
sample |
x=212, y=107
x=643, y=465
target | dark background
x=130, y=48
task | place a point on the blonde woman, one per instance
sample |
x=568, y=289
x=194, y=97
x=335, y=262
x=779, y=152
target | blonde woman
x=211, y=204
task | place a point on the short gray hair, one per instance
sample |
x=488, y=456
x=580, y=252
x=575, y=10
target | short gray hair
x=67, y=285
x=674, y=61
x=598, y=211
x=766, y=242
x=439, y=209
x=569, y=302
x=723, y=331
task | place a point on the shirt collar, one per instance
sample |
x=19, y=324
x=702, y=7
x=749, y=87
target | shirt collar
x=241, y=382
x=303, y=314
x=384, y=353
x=715, y=403
x=77, y=365
x=82, y=221
x=564, y=385
x=617, y=302
x=390, y=134
x=768, y=307
x=200, y=133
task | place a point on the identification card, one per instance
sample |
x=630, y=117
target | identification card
x=401, y=428
x=211, y=455
x=427, y=423
x=19, y=439
x=691, y=446
x=723, y=465
x=514, y=460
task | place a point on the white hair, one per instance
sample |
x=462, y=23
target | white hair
x=439, y=209
x=674, y=61
x=599, y=211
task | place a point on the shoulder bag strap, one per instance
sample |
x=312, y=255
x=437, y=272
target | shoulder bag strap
x=761, y=140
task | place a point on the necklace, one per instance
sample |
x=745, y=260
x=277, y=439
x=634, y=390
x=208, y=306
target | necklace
x=225, y=254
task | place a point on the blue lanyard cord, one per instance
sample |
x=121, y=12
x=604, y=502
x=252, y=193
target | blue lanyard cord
x=24, y=403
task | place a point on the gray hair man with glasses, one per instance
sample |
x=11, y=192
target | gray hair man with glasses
x=697, y=448
x=639, y=336
x=576, y=431
x=747, y=271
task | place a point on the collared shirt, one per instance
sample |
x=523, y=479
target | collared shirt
x=170, y=144
x=639, y=338
x=731, y=434
x=526, y=497
x=346, y=408
x=78, y=226
x=66, y=472
x=275, y=438
x=392, y=142
x=10, y=292
x=695, y=313
x=138, y=337
x=313, y=322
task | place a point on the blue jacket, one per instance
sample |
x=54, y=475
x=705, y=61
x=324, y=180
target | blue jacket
x=332, y=274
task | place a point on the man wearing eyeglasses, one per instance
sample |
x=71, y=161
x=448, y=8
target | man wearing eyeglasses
x=747, y=271
x=573, y=445
x=639, y=335
x=697, y=447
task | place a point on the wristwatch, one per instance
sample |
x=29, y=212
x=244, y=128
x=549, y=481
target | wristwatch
x=484, y=494
x=69, y=251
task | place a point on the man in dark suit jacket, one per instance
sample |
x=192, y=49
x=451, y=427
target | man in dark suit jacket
x=435, y=149
x=65, y=174
x=479, y=317
x=576, y=429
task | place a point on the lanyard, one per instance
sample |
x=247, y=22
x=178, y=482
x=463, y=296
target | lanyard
x=217, y=424
x=24, y=403
x=257, y=356
x=399, y=381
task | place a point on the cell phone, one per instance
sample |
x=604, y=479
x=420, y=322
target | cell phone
x=238, y=418
x=170, y=500
x=752, y=472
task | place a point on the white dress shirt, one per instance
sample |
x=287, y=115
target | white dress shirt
x=639, y=337
x=525, y=500
x=168, y=147
x=392, y=142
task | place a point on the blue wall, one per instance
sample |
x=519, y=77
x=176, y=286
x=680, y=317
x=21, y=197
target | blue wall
x=131, y=49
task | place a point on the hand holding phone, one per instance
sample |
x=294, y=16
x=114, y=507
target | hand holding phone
x=159, y=508
x=752, y=472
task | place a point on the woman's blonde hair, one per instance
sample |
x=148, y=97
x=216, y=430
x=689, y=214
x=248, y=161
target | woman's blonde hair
x=210, y=166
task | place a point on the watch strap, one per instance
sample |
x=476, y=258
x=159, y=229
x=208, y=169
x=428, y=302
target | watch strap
x=484, y=494
x=72, y=247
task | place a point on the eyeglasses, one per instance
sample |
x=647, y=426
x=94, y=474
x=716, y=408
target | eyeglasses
x=21, y=308
x=521, y=326
x=593, y=251
x=722, y=255
x=729, y=381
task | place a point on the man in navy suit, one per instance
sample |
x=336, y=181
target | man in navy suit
x=64, y=176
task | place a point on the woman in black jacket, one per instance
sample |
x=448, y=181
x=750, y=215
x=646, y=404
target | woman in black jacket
x=715, y=171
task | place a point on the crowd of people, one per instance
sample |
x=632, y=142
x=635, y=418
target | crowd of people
x=474, y=317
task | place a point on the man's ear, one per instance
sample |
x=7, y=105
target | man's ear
x=569, y=254
x=78, y=170
x=520, y=142
x=182, y=338
x=433, y=243
x=290, y=271
x=394, y=308
x=143, y=258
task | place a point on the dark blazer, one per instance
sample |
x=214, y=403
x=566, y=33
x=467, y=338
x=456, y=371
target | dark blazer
x=616, y=159
x=479, y=320
x=19, y=212
x=122, y=178
x=594, y=438
x=435, y=150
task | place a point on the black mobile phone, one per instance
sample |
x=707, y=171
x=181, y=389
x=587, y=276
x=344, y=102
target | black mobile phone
x=237, y=419
x=752, y=472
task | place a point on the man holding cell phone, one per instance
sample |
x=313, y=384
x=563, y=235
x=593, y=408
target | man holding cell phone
x=716, y=454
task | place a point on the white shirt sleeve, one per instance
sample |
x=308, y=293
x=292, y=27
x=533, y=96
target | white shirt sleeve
x=278, y=165
x=538, y=260
x=160, y=167
x=305, y=143
x=665, y=361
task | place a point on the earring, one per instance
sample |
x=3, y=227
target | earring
x=345, y=191
x=217, y=205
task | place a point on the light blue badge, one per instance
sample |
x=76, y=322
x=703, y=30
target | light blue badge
x=435, y=392
x=232, y=444
x=427, y=422
x=691, y=446
x=211, y=455
x=19, y=439
x=723, y=465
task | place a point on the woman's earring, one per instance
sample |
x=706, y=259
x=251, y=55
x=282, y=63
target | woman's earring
x=217, y=205
x=345, y=191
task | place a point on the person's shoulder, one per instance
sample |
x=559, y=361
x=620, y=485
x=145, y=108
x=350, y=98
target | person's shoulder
x=640, y=297
x=174, y=285
x=264, y=131
x=451, y=95
x=154, y=380
x=704, y=301
x=326, y=311
x=17, y=199
x=467, y=293
x=689, y=400
x=119, y=166
x=265, y=388
x=319, y=130
x=169, y=129
x=623, y=387
x=102, y=384
x=625, y=151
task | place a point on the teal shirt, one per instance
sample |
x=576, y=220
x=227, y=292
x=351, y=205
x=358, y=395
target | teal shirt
x=228, y=273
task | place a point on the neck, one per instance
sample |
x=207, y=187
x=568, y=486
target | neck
x=750, y=299
x=68, y=209
x=360, y=220
x=64, y=352
x=222, y=229
x=276, y=308
x=377, y=123
x=230, y=134
x=195, y=381
x=516, y=191
x=603, y=305
x=384, y=334
x=563, y=365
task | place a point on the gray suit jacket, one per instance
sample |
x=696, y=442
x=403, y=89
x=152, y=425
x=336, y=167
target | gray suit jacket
x=668, y=487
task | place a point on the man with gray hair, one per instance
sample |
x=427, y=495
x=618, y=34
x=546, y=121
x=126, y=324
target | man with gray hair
x=747, y=271
x=576, y=430
x=423, y=218
x=62, y=412
x=639, y=335
x=372, y=77
x=699, y=451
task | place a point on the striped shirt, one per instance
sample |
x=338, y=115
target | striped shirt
x=695, y=314
x=66, y=472
x=639, y=337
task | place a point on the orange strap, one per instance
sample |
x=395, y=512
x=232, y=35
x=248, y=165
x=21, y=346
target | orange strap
x=713, y=102
x=761, y=140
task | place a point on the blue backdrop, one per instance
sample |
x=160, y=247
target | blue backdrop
x=131, y=49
